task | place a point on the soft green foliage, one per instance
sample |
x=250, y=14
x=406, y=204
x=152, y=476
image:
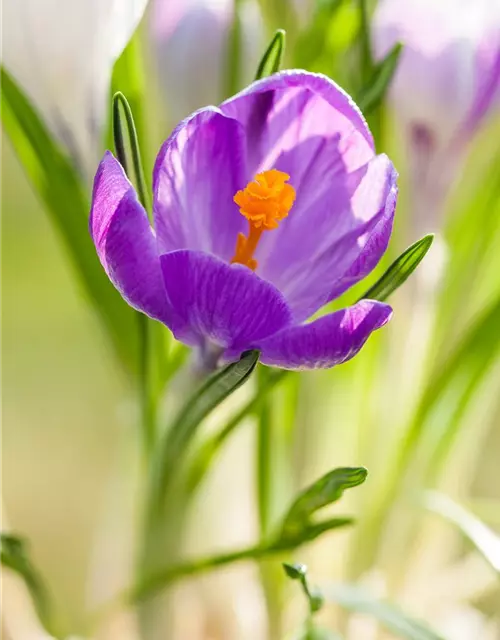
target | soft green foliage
x=372, y=94
x=15, y=556
x=486, y=541
x=392, y=618
x=196, y=408
x=57, y=182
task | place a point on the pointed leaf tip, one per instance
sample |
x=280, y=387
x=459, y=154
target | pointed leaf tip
x=321, y=493
x=379, y=83
x=400, y=270
x=271, y=60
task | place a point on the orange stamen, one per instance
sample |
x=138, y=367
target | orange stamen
x=263, y=202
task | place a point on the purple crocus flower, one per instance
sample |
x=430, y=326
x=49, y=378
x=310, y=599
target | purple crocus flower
x=265, y=209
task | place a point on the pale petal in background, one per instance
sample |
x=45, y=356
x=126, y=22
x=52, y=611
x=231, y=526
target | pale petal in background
x=62, y=53
x=191, y=47
x=446, y=87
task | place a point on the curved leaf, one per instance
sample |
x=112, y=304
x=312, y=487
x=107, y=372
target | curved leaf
x=400, y=270
x=271, y=60
x=391, y=617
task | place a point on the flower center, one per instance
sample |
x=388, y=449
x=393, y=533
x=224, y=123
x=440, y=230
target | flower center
x=263, y=202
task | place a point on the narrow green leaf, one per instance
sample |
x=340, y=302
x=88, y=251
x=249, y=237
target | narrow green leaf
x=216, y=389
x=14, y=555
x=486, y=541
x=400, y=270
x=311, y=42
x=120, y=102
x=457, y=376
x=391, y=617
x=59, y=186
x=271, y=60
x=292, y=538
x=209, y=449
x=366, y=57
x=374, y=91
x=324, y=491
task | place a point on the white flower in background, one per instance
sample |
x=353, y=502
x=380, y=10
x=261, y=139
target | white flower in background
x=61, y=53
x=446, y=84
x=191, y=45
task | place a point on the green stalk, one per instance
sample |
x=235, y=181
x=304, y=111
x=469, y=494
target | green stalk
x=156, y=583
x=233, y=57
x=271, y=575
x=366, y=64
x=147, y=401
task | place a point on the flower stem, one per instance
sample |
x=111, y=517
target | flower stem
x=163, y=579
x=147, y=399
x=119, y=100
x=271, y=576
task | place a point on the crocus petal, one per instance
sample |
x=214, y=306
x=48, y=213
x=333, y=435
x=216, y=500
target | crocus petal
x=125, y=241
x=289, y=108
x=328, y=341
x=62, y=54
x=313, y=264
x=228, y=305
x=191, y=38
x=448, y=73
x=305, y=125
x=197, y=172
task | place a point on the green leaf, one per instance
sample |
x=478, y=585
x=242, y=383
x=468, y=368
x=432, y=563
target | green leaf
x=391, y=617
x=120, y=103
x=486, y=541
x=216, y=389
x=209, y=449
x=14, y=555
x=271, y=60
x=59, y=186
x=302, y=533
x=321, y=493
x=374, y=92
x=312, y=40
x=400, y=270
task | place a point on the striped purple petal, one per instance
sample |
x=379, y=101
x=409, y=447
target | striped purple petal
x=328, y=341
x=125, y=241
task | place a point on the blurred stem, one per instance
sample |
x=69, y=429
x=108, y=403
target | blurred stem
x=264, y=458
x=234, y=52
x=209, y=449
x=146, y=392
x=366, y=58
x=271, y=575
x=147, y=397
x=152, y=586
x=281, y=14
x=159, y=581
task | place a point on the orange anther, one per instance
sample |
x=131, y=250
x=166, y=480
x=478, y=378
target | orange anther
x=264, y=202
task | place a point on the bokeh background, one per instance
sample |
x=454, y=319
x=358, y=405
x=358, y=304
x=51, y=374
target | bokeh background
x=71, y=468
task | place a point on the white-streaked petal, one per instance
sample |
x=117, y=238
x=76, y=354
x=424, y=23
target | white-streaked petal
x=190, y=40
x=451, y=50
x=62, y=52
